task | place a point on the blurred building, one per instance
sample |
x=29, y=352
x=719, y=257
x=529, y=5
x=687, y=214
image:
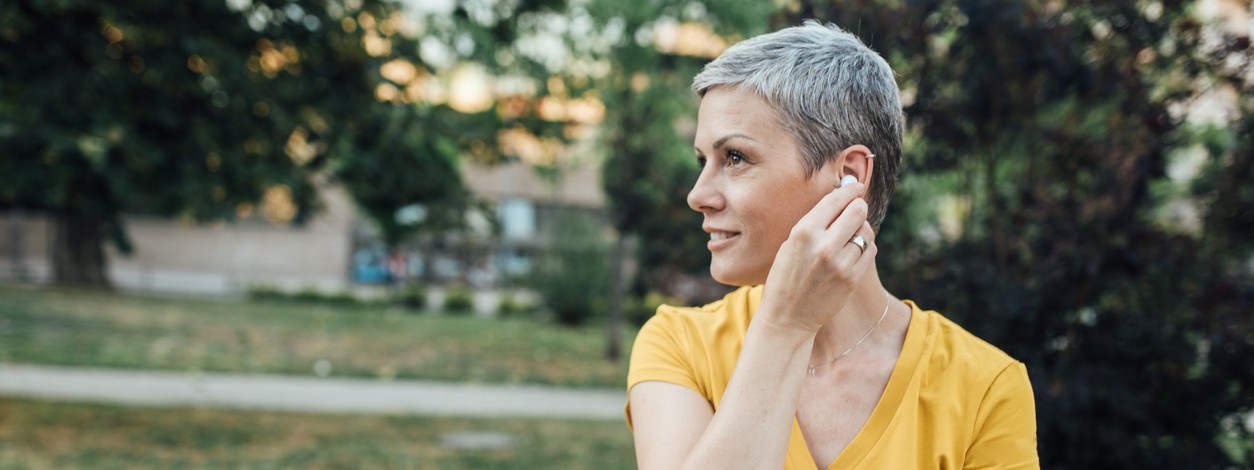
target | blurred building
x=492, y=253
x=337, y=250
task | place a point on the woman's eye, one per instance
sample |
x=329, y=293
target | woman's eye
x=701, y=162
x=735, y=158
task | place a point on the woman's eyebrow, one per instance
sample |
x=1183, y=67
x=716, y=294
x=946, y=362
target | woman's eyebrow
x=719, y=143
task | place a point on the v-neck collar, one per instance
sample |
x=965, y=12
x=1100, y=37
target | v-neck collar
x=799, y=456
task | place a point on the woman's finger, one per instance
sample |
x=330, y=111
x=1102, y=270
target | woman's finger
x=848, y=220
x=865, y=260
x=829, y=207
x=857, y=247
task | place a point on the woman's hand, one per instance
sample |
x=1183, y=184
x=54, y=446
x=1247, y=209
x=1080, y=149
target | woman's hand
x=817, y=268
x=812, y=278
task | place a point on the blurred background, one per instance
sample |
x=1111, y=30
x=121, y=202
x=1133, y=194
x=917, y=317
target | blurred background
x=492, y=192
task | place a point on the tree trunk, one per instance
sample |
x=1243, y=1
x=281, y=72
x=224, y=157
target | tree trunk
x=17, y=247
x=78, y=251
x=613, y=348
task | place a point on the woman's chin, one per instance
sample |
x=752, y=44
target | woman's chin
x=734, y=277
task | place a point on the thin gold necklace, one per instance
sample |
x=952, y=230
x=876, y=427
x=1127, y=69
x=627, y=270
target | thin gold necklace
x=866, y=335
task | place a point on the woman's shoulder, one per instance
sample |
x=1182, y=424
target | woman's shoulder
x=734, y=310
x=955, y=349
x=695, y=347
x=975, y=394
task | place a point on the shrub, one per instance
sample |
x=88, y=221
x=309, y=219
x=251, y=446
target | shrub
x=572, y=277
x=313, y=295
x=340, y=298
x=458, y=299
x=266, y=292
x=510, y=306
x=413, y=297
x=308, y=294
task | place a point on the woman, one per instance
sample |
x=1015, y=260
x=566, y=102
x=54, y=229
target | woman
x=799, y=137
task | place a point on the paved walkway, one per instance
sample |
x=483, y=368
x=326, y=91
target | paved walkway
x=148, y=388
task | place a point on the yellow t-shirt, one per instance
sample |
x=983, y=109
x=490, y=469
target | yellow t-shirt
x=953, y=401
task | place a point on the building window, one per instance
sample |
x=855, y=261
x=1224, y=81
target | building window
x=518, y=219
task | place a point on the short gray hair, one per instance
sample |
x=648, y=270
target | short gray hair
x=829, y=90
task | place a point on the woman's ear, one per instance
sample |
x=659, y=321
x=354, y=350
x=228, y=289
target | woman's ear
x=855, y=160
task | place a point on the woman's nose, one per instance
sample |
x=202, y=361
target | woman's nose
x=704, y=196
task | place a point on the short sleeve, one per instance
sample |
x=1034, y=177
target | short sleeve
x=1005, y=427
x=661, y=353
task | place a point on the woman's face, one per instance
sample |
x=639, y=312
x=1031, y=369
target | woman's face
x=753, y=186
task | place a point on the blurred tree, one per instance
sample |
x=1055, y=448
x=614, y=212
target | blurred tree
x=1045, y=128
x=490, y=38
x=658, y=48
x=571, y=275
x=202, y=109
x=403, y=161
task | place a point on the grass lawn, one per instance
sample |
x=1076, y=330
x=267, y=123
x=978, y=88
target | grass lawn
x=36, y=434
x=78, y=328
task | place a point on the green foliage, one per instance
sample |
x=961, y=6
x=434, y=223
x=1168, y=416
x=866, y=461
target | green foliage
x=572, y=277
x=400, y=160
x=458, y=300
x=314, y=295
x=266, y=293
x=511, y=306
x=407, y=158
x=198, y=109
x=412, y=296
x=306, y=295
x=1049, y=125
x=649, y=167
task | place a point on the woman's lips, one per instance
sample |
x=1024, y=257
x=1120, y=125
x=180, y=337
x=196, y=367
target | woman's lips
x=720, y=239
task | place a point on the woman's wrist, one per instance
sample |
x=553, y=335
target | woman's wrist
x=780, y=328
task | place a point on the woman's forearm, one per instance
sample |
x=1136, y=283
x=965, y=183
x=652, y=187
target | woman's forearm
x=752, y=425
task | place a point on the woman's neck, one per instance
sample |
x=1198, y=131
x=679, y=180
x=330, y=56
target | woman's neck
x=872, y=320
